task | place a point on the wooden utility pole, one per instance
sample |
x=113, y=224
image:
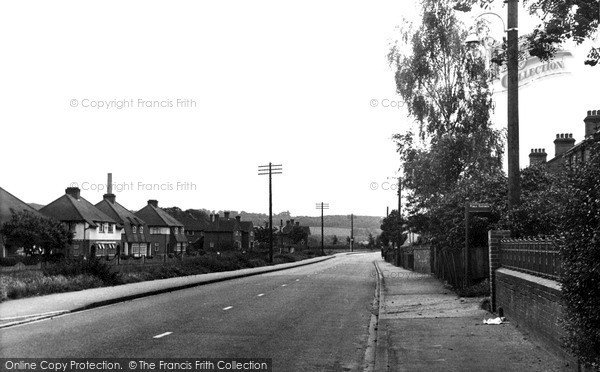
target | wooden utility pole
x=322, y=206
x=512, y=64
x=399, y=221
x=352, y=233
x=270, y=170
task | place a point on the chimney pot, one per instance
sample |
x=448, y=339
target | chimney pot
x=297, y=223
x=216, y=217
x=153, y=203
x=75, y=192
x=238, y=218
x=109, y=184
x=226, y=215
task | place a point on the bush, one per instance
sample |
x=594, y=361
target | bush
x=580, y=226
x=9, y=261
x=93, y=267
x=35, y=283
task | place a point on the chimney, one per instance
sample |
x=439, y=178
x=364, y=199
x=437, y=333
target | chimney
x=74, y=192
x=217, y=217
x=297, y=223
x=562, y=143
x=109, y=184
x=153, y=203
x=109, y=196
x=226, y=215
x=592, y=122
x=238, y=218
x=211, y=218
x=537, y=156
x=292, y=221
x=287, y=223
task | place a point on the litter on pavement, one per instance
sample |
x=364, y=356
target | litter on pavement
x=498, y=320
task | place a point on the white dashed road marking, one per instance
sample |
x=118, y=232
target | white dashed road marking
x=162, y=335
x=228, y=307
x=260, y=295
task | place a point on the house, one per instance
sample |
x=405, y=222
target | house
x=135, y=235
x=8, y=203
x=285, y=232
x=167, y=235
x=565, y=150
x=94, y=232
x=194, y=223
x=223, y=233
x=247, y=228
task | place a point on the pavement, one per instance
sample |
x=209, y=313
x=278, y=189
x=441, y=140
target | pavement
x=15, y=312
x=422, y=326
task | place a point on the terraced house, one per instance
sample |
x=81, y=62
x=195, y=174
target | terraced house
x=94, y=232
x=167, y=235
x=223, y=233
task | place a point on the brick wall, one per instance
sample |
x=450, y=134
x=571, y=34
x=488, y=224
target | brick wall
x=531, y=302
x=494, y=237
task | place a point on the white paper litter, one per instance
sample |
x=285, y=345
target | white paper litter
x=498, y=320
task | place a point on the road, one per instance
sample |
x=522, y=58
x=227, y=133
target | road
x=311, y=318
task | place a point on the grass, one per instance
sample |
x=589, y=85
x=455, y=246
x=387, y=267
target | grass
x=69, y=275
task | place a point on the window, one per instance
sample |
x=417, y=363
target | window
x=155, y=247
x=101, y=227
x=110, y=228
x=181, y=230
x=155, y=230
x=212, y=244
x=141, y=229
x=134, y=229
x=188, y=232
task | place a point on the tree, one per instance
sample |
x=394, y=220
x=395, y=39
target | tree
x=456, y=154
x=298, y=234
x=389, y=229
x=371, y=241
x=261, y=234
x=334, y=240
x=561, y=21
x=35, y=233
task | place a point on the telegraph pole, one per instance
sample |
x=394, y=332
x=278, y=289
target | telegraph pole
x=270, y=170
x=322, y=206
x=512, y=65
x=399, y=218
x=351, y=232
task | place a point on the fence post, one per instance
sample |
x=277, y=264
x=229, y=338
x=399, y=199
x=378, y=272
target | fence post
x=494, y=237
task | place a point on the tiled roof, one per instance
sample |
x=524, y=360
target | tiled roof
x=155, y=216
x=223, y=225
x=68, y=209
x=8, y=201
x=126, y=219
x=246, y=226
x=119, y=213
x=190, y=223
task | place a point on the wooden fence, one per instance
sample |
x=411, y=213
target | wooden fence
x=539, y=257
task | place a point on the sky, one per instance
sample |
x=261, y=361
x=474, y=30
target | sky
x=182, y=101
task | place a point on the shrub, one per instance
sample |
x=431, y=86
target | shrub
x=580, y=226
x=93, y=267
x=9, y=261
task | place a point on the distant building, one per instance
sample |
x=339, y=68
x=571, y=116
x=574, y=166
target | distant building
x=247, y=229
x=135, y=234
x=8, y=203
x=94, y=232
x=286, y=230
x=194, y=228
x=566, y=153
x=167, y=235
x=223, y=233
